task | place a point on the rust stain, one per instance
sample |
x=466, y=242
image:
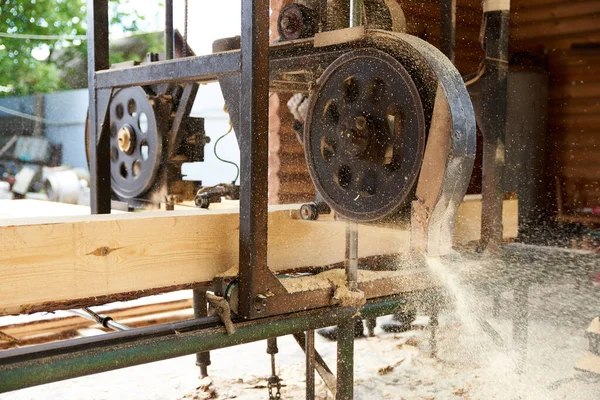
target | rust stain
x=103, y=251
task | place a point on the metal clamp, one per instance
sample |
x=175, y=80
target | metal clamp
x=219, y=306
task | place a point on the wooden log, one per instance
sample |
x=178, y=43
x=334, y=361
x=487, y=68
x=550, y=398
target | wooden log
x=66, y=262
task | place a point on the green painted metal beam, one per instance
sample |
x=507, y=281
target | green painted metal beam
x=44, y=364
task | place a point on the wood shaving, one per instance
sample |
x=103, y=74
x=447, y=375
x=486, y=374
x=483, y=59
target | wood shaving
x=344, y=297
x=231, y=272
x=337, y=277
x=390, y=368
x=204, y=391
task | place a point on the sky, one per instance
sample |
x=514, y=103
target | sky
x=208, y=20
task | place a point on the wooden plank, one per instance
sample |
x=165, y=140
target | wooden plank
x=580, y=157
x=561, y=109
x=34, y=332
x=37, y=208
x=468, y=220
x=557, y=43
x=555, y=11
x=55, y=263
x=581, y=172
x=576, y=90
x=577, y=123
x=522, y=4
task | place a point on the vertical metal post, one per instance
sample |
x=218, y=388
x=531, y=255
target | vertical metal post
x=352, y=255
x=496, y=14
x=309, y=350
x=448, y=28
x=201, y=311
x=338, y=14
x=254, y=151
x=323, y=15
x=99, y=146
x=345, y=361
x=169, y=31
x=356, y=7
x=345, y=346
x=371, y=325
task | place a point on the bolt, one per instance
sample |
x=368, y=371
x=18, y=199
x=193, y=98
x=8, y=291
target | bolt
x=125, y=138
x=260, y=303
x=360, y=122
x=309, y=211
x=285, y=22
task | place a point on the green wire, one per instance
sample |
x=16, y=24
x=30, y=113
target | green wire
x=237, y=175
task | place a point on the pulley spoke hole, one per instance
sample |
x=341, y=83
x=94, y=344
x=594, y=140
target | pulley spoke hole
x=331, y=112
x=143, y=122
x=394, y=121
x=119, y=110
x=368, y=184
x=350, y=89
x=328, y=147
x=123, y=171
x=136, y=168
x=388, y=154
x=377, y=90
x=131, y=107
x=343, y=176
x=144, y=150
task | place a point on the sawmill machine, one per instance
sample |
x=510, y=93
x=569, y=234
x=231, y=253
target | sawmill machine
x=388, y=132
x=371, y=91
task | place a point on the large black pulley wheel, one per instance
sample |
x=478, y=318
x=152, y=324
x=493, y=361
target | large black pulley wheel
x=364, y=135
x=136, y=143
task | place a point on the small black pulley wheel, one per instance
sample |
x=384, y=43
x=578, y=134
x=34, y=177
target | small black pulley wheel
x=309, y=212
x=364, y=135
x=136, y=143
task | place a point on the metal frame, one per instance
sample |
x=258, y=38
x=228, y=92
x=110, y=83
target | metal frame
x=252, y=63
x=495, y=88
x=52, y=362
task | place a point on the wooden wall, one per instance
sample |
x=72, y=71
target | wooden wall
x=566, y=31
x=569, y=34
x=289, y=181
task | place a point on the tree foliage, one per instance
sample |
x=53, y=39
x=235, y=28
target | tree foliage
x=23, y=67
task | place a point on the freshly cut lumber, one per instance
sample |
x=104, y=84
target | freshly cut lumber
x=47, y=330
x=27, y=208
x=67, y=262
x=468, y=220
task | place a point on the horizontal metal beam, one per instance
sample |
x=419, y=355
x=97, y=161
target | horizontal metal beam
x=206, y=68
x=53, y=362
